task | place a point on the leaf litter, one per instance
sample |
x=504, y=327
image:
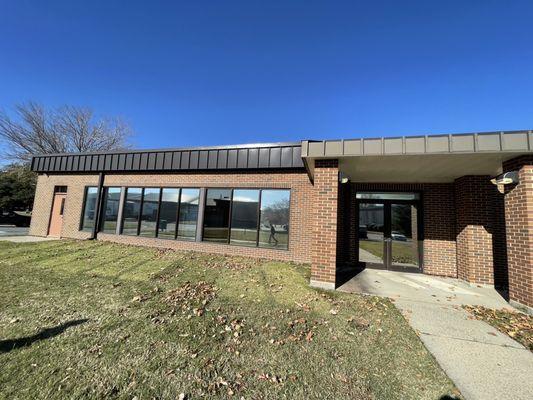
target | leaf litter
x=516, y=325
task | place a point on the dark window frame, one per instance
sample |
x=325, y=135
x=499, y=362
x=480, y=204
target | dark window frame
x=420, y=216
x=176, y=237
x=62, y=208
x=177, y=215
x=60, y=189
x=229, y=213
x=178, y=208
x=259, y=216
x=157, y=213
x=102, y=216
x=261, y=189
x=161, y=188
x=84, y=206
x=121, y=230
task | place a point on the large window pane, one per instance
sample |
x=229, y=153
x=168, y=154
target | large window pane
x=132, y=209
x=188, y=213
x=244, y=216
x=387, y=195
x=110, y=209
x=89, y=209
x=149, y=212
x=404, y=240
x=274, y=226
x=216, y=218
x=371, y=233
x=168, y=213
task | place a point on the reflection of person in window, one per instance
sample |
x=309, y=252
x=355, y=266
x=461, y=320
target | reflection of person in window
x=272, y=235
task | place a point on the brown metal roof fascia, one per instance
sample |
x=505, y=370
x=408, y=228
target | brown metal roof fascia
x=238, y=157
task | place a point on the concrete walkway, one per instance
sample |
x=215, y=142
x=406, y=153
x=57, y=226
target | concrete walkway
x=482, y=362
x=26, y=239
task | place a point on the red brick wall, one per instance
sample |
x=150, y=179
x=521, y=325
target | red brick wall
x=346, y=221
x=519, y=223
x=324, y=216
x=499, y=239
x=302, y=195
x=473, y=196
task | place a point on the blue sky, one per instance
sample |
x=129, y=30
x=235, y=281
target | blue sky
x=222, y=72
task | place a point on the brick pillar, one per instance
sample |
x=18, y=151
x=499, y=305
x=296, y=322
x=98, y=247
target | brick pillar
x=519, y=228
x=324, y=238
x=473, y=197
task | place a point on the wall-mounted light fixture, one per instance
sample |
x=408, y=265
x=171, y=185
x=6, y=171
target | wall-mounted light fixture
x=507, y=178
x=343, y=178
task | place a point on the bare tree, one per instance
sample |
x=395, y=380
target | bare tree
x=36, y=130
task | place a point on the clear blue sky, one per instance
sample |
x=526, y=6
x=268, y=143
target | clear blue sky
x=221, y=72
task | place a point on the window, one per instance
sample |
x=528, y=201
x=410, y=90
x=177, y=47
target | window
x=258, y=217
x=216, y=217
x=244, y=217
x=110, y=209
x=387, y=196
x=89, y=209
x=188, y=214
x=132, y=209
x=150, y=206
x=274, y=225
x=60, y=189
x=168, y=213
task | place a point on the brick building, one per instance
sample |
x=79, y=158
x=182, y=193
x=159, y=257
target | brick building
x=449, y=205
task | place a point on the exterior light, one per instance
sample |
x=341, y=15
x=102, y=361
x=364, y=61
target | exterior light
x=343, y=178
x=506, y=178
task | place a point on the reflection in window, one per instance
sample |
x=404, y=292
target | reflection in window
x=188, y=213
x=244, y=216
x=274, y=225
x=132, y=209
x=168, y=213
x=149, y=212
x=371, y=233
x=216, y=218
x=404, y=243
x=110, y=209
x=387, y=195
x=89, y=209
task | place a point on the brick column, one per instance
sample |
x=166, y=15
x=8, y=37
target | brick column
x=473, y=199
x=324, y=238
x=519, y=228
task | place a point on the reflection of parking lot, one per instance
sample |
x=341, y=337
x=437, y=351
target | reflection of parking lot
x=375, y=236
x=12, y=230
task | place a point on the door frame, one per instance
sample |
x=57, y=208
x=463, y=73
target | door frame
x=62, y=190
x=387, y=264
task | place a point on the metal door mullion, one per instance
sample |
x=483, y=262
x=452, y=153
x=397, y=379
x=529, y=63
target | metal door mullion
x=178, y=208
x=387, y=236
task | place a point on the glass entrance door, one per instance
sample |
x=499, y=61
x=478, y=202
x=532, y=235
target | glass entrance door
x=388, y=232
x=371, y=234
x=403, y=238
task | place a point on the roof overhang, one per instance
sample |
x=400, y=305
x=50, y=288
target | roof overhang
x=259, y=156
x=439, y=158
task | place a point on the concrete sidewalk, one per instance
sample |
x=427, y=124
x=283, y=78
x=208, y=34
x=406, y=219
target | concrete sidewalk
x=482, y=362
x=26, y=239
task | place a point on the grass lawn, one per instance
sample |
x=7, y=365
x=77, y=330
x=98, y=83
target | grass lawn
x=82, y=319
